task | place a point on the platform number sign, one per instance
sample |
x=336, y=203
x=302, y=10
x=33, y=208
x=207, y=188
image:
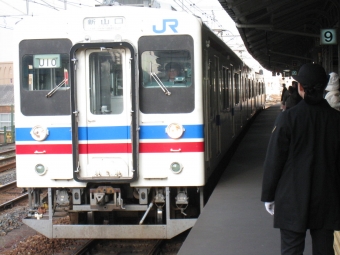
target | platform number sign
x=328, y=36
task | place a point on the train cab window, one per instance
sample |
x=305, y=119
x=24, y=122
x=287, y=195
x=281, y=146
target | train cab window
x=166, y=74
x=44, y=71
x=106, y=84
x=166, y=68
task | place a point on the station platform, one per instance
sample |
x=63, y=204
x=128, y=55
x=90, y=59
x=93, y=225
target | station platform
x=234, y=221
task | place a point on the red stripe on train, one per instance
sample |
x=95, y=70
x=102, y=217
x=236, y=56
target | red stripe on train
x=110, y=148
x=44, y=149
x=169, y=147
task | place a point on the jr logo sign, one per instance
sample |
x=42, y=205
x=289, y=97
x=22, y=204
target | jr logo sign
x=172, y=23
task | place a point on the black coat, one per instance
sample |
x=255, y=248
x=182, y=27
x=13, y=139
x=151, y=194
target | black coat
x=302, y=168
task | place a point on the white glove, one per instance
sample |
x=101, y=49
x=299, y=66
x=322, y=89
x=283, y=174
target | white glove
x=270, y=207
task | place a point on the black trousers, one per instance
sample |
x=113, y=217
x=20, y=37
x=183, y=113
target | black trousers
x=293, y=243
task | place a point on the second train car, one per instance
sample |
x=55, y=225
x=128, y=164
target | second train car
x=122, y=114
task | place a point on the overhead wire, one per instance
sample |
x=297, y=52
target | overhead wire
x=11, y=6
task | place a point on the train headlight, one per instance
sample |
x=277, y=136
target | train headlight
x=40, y=169
x=176, y=167
x=39, y=133
x=175, y=130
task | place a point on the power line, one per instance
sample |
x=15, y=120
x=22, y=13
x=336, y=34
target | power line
x=11, y=6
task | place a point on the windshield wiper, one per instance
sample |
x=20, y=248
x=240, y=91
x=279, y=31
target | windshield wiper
x=160, y=83
x=63, y=82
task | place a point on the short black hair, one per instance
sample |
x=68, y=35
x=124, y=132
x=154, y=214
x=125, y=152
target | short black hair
x=173, y=65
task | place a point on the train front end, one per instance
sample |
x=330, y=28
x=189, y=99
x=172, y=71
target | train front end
x=109, y=123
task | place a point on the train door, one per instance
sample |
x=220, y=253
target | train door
x=104, y=124
x=226, y=132
x=238, y=104
x=206, y=75
x=212, y=106
x=211, y=115
x=217, y=101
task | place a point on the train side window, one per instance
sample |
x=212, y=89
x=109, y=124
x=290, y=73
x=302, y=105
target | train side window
x=244, y=94
x=225, y=88
x=249, y=89
x=260, y=88
x=237, y=88
x=106, y=84
x=211, y=88
x=252, y=89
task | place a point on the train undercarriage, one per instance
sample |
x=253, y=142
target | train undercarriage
x=110, y=212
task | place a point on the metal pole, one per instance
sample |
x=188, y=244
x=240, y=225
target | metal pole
x=12, y=123
x=27, y=5
x=5, y=137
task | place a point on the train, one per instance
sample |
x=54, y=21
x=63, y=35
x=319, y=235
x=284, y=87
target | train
x=122, y=114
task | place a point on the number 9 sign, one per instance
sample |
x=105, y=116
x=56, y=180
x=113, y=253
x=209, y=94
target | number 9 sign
x=328, y=36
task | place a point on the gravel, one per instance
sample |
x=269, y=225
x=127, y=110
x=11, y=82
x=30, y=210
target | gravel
x=8, y=176
x=11, y=219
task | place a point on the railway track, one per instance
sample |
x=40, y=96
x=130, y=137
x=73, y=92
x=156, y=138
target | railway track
x=147, y=247
x=7, y=160
x=10, y=194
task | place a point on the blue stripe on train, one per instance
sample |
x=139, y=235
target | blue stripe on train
x=108, y=133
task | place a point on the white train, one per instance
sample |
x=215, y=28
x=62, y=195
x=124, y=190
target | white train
x=123, y=113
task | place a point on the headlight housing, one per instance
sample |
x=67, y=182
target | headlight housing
x=174, y=130
x=176, y=167
x=40, y=169
x=39, y=133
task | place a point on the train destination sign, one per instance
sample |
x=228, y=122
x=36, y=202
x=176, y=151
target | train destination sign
x=103, y=23
x=328, y=36
x=46, y=61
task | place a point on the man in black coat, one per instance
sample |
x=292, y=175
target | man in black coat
x=302, y=168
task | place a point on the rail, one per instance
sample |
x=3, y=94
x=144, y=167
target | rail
x=7, y=160
x=7, y=199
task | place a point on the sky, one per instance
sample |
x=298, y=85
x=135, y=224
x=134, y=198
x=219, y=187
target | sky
x=211, y=12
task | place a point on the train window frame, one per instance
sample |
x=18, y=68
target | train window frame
x=36, y=102
x=180, y=99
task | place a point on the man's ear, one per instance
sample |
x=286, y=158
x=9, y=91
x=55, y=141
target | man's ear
x=300, y=87
x=301, y=90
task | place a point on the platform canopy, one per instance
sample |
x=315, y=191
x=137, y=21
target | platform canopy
x=284, y=34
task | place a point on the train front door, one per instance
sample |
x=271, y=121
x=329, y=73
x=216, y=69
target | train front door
x=104, y=127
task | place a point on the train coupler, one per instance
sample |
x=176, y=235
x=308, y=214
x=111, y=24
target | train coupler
x=106, y=198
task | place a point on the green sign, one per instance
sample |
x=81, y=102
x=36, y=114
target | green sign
x=46, y=61
x=328, y=36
